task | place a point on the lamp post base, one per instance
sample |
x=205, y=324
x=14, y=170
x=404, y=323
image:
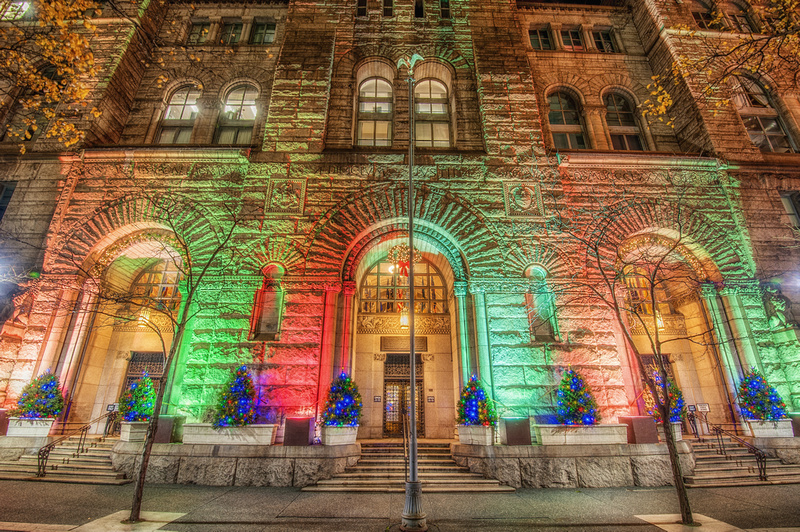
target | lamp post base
x=412, y=518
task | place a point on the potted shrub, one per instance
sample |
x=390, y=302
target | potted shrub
x=234, y=417
x=577, y=415
x=341, y=412
x=136, y=408
x=37, y=408
x=476, y=417
x=762, y=408
x=676, y=411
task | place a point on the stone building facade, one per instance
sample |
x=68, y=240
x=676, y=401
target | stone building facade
x=263, y=149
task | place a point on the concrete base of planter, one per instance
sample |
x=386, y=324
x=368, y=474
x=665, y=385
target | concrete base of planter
x=29, y=428
x=781, y=428
x=677, y=430
x=475, y=435
x=236, y=465
x=338, y=435
x=133, y=430
x=581, y=434
x=206, y=434
x=575, y=466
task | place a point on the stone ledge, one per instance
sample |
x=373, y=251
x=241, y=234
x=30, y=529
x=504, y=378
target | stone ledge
x=574, y=466
x=234, y=465
x=785, y=449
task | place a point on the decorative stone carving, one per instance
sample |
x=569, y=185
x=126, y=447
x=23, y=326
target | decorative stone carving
x=286, y=196
x=523, y=199
x=390, y=324
x=427, y=357
x=380, y=357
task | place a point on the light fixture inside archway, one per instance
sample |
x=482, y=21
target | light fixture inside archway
x=400, y=257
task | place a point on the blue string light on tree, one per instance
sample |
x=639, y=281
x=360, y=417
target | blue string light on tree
x=475, y=407
x=758, y=400
x=237, y=403
x=343, y=406
x=41, y=398
x=575, y=404
x=136, y=404
x=677, y=404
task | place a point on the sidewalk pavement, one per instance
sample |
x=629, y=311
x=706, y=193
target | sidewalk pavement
x=42, y=506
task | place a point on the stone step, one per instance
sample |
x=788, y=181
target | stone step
x=400, y=481
x=100, y=460
x=454, y=468
x=64, y=471
x=426, y=488
x=401, y=475
x=395, y=461
x=57, y=477
x=732, y=464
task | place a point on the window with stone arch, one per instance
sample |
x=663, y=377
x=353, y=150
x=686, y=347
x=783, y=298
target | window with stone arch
x=566, y=122
x=540, y=305
x=431, y=114
x=375, y=112
x=156, y=287
x=179, y=116
x=622, y=123
x=384, y=289
x=740, y=19
x=238, y=116
x=705, y=18
x=762, y=121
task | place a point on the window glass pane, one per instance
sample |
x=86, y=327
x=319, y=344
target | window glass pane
x=199, y=32
x=366, y=132
x=423, y=132
x=441, y=134
x=618, y=142
x=560, y=141
x=577, y=141
x=231, y=33
x=263, y=33
x=382, y=130
x=184, y=135
x=634, y=142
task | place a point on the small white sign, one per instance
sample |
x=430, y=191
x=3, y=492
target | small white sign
x=703, y=407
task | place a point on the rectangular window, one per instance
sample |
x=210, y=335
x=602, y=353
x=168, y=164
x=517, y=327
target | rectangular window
x=14, y=10
x=263, y=33
x=388, y=8
x=604, y=42
x=361, y=8
x=791, y=203
x=573, y=41
x=419, y=9
x=540, y=39
x=6, y=190
x=231, y=33
x=445, y=7
x=199, y=33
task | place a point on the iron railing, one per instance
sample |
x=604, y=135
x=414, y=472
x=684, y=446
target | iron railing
x=760, y=455
x=44, y=453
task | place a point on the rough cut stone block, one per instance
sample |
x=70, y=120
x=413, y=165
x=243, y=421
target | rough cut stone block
x=605, y=472
x=581, y=434
x=163, y=469
x=548, y=473
x=506, y=470
x=263, y=472
x=207, y=471
x=651, y=470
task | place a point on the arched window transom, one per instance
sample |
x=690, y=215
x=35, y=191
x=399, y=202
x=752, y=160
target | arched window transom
x=431, y=114
x=178, y=123
x=621, y=121
x=566, y=125
x=384, y=290
x=238, y=116
x=761, y=119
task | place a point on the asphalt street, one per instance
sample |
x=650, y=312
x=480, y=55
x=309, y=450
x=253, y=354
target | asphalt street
x=204, y=508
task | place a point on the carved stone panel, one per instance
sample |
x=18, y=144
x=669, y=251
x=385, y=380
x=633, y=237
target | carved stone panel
x=286, y=196
x=523, y=199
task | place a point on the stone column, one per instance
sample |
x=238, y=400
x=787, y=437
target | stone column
x=595, y=127
x=327, y=342
x=460, y=290
x=78, y=338
x=739, y=323
x=343, y=359
x=482, y=329
x=732, y=368
x=176, y=369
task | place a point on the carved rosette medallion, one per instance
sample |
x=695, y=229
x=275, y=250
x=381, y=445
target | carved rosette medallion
x=523, y=199
x=286, y=196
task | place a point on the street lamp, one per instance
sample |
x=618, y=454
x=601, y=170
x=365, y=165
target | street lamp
x=413, y=518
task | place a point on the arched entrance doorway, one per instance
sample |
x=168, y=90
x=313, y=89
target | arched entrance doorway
x=381, y=348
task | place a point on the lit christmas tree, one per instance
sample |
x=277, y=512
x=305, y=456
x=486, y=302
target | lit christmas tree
x=136, y=404
x=236, y=407
x=676, y=400
x=575, y=403
x=40, y=398
x=759, y=400
x=343, y=407
x=475, y=407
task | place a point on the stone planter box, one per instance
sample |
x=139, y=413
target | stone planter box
x=133, y=430
x=206, y=434
x=29, y=427
x=338, y=435
x=581, y=434
x=475, y=435
x=677, y=430
x=781, y=428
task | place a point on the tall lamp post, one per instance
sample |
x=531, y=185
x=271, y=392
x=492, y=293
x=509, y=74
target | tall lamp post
x=413, y=518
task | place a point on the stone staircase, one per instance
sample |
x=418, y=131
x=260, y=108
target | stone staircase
x=65, y=465
x=382, y=469
x=738, y=468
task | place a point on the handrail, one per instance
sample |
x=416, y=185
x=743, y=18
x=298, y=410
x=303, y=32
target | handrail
x=406, y=438
x=44, y=452
x=760, y=455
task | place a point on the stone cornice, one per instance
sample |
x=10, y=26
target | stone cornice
x=165, y=155
x=580, y=160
